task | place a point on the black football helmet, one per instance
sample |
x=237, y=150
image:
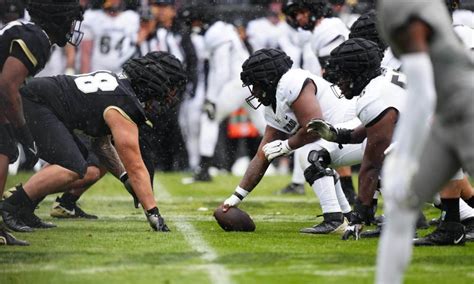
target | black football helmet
x=452, y=5
x=264, y=68
x=353, y=64
x=61, y=19
x=157, y=76
x=317, y=9
x=366, y=27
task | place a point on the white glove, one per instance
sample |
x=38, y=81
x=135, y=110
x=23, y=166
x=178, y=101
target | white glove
x=276, y=149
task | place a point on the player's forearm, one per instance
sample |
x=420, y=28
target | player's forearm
x=140, y=182
x=11, y=105
x=368, y=181
x=254, y=173
x=301, y=138
x=358, y=135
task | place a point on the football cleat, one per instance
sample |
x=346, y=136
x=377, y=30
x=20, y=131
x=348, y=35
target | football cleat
x=157, y=222
x=469, y=228
x=293, y=188
x=11, y=219
x=447, y=233
x=31, y=220
x=202, y=175
x=60, y=210
x=421, y=222
x=333, y=224
x=375, y=233
x=8, y=239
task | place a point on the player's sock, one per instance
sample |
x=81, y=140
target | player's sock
x=465, y=211
x=450, y=210
x=348, y=188
x=19, y=197
x=342, y=199
x=69, y=200
x=324, y=189
x=470, y=201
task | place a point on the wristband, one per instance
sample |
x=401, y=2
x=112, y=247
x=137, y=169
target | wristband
x=123, y=177
x=240, y=192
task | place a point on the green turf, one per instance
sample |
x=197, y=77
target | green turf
x=120, y=248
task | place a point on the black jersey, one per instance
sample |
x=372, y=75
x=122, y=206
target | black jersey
x=80, y=101
x=27, y=42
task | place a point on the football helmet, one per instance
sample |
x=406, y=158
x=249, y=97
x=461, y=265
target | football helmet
x=366, y=27
x=158, y=76
x=264, y=69
x=452, y=5
x=353, y=64
x=61, y=19
x=113, y=6
x=317, y=9
x=11, y=10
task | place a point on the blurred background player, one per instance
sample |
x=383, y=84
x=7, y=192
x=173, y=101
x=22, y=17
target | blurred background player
x=110, y=34
x=24, y=51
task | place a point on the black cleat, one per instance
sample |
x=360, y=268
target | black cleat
x=293, y=188
x=11, y=218
x=157, y=222
x=31, y=220
x=421, y=222
x=334, y=223
x=435, y=222
x=8, y=239
x=202, y=175
x=447, y=233
x=61, y=210
x=469, y=228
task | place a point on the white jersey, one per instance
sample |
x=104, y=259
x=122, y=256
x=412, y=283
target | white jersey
x=262, y=33
x=389, y=60
x=114, y=38
x=334, y=110
x=466, y=34
x=383, y=92
x=327, y=35
x=227, y=53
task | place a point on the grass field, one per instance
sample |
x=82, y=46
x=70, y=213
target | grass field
x=120, y=247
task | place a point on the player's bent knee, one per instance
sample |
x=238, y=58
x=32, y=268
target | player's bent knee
x=319, y=161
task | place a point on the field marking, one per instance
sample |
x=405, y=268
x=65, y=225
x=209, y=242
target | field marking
x=217, y=272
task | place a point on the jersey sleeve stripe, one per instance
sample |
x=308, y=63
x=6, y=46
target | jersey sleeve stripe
x=120, y=111
x=26, y=50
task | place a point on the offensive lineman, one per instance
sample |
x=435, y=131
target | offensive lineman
x=291, y=98
x=24, y=50
x=99, y=104
x=436, y=64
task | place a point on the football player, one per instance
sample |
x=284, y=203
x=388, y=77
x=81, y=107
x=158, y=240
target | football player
x=291, y=97
x=326, y=33
x=99, y=104
x=224, y=92
x=24, y=50
x=354, y=66
x=438, y=69
x=110, y=35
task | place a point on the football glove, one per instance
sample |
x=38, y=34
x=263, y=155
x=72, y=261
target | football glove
x=129, y=188
x=328, y=132
x=352, y=231
x=276, y=149
x=157, y=222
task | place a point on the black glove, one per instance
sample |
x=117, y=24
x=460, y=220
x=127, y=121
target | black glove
x=23, y=135
x=129, y=188
x=361, y=215
x=156, y=221
x=329, y=132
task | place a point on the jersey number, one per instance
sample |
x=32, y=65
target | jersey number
x=93, y=83
x=106, y=44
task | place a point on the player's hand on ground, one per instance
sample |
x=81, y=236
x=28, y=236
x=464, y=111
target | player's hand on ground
x=276, y=149
x=352, y=231
x=25, y=138
x=157, y=222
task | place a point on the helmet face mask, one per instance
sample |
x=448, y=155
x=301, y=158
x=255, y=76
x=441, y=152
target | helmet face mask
x=261, y=72
x=352, y=65
x=60, y=19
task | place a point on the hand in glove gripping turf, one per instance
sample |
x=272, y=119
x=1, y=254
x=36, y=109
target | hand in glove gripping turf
x=329, y=132
x=362, y=214
x=23, y=135
x=157, y=222
x=276, y=149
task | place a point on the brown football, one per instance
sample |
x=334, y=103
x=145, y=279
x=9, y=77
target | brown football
x=234, y=220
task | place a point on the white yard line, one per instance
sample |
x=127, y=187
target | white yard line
x=217, y=272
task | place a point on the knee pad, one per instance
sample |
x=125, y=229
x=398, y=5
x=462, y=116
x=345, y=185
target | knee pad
x=321, y=156
x=315, y=171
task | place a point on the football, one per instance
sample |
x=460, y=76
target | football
x=234, y=220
